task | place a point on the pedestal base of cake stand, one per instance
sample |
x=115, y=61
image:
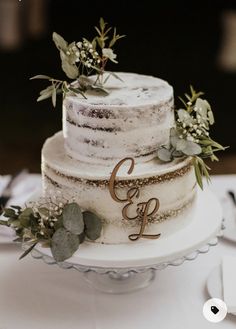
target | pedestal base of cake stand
x=128, y=267
x=116, y=283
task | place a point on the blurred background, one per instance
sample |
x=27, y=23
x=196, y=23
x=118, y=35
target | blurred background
x=183, y=42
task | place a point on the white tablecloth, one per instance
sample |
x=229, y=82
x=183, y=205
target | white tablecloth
x=34, y=295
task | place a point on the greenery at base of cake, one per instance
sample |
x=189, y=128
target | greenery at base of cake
x=191, y=137
x=57, y=225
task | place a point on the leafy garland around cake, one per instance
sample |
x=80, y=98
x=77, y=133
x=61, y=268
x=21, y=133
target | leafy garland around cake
x=60, y=226
x=80, y=60
x=190, y=136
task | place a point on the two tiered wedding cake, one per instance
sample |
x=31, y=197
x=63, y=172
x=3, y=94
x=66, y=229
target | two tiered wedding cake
x=133, y=121
x=126, y=165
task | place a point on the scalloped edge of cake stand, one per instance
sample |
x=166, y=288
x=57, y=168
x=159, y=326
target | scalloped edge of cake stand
x=197, y=236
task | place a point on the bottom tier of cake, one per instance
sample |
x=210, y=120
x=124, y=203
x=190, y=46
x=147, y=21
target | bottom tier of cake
x=173, y=184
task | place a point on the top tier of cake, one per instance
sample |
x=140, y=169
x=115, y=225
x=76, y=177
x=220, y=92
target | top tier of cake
x=133, y=120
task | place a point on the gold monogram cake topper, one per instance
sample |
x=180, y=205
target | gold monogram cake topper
x=144, y=210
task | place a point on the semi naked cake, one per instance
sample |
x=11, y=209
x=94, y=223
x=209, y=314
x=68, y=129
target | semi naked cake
x=131, y=122
x=126, y=165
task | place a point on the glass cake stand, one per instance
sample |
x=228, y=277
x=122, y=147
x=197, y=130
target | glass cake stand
x=128, y=267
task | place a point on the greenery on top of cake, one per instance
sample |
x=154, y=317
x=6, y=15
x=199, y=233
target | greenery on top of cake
x=191, y=137
x=62, y=226
x=79, y=60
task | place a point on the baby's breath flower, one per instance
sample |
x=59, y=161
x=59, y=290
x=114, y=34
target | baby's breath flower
x=198, y=131
x=190, y=138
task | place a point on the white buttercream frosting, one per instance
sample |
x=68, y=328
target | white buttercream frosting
x=134, y=119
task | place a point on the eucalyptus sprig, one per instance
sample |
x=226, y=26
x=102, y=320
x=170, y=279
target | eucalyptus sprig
x=191, y=137
x=79, y=60
x=62, y=227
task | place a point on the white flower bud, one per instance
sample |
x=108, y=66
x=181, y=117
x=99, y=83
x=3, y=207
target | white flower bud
x=190, y=138
x=199, y=132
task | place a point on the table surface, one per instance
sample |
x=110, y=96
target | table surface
x=35, y=295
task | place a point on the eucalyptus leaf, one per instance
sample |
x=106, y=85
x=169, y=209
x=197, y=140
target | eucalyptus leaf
x=93, y=225
x=4, y=222
x=202, y=107
x=70, y=70
x=44, y=211
x=82, y=237
x=211, y=117
x=177, y=154
x=164, y=154
x=174, y=137
x=16, y=224
x=85, y=81
x=59, y=41
x=191, y=148
x=8, y=212
x=25, y=217
x=73, y=218
x=180, y=144
x=59, y=223
x=64, y=244
x=184, y=117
